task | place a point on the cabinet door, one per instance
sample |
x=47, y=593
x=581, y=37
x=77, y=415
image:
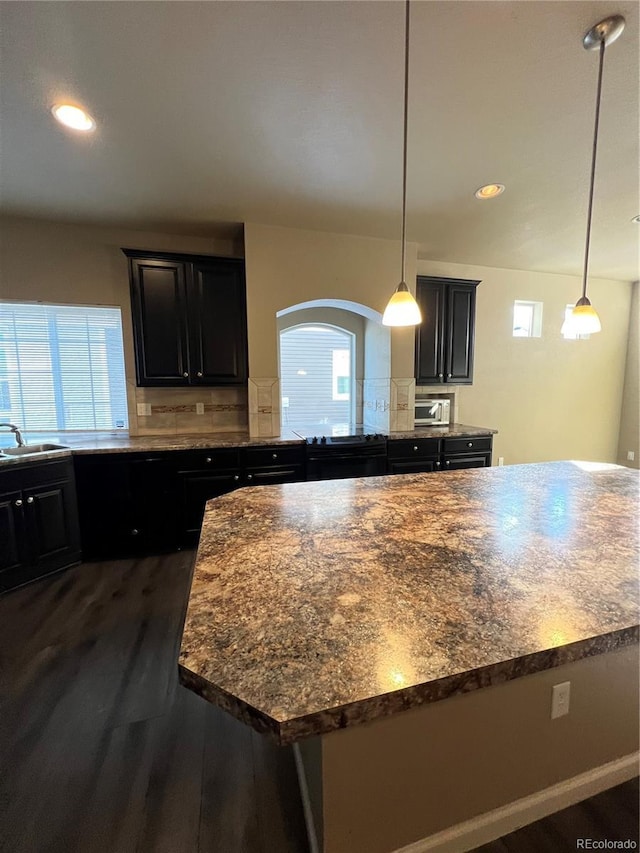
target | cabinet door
x=197, y=488
x=158, y=299
x=52, y=525
x=460, y=323
x=217, y=323
x=429, y=334
x=418, y=466
x=12, y=536
x=457, y=463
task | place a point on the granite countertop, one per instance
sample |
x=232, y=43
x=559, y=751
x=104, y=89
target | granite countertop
x=119, y=441
x=316, y=606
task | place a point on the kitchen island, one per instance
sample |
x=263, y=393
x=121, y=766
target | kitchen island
x=320, y=611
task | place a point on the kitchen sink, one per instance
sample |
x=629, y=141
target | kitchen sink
x=31, y=448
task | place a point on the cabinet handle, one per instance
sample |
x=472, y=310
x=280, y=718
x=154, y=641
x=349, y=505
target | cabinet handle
x=447, y=462
x=236, y=477
x=199, y=374
x=437, y=464
x=30, y=499
x=135, y=531
x=449, y=375
x=441, y=376
x=208, y=459
x=469, y=444
x=415, y=447
x=274, y=455
x=18, y=502
x=186, y=375
x=249, y=476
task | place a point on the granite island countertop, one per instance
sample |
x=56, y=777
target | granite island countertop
x=317, y=606
x=119, y=441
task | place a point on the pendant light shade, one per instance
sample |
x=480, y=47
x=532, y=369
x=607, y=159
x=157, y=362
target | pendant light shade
x=402, y=309
x=584, y=318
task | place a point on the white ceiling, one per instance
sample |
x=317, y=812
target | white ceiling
x=290, y=113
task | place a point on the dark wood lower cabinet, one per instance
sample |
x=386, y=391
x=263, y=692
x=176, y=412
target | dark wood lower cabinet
x=424, y=455
x=136, y=503
x=39, y=530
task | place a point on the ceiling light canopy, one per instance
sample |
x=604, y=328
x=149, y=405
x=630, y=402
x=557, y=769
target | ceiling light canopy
x=489, y=191
x=402, y=309
x=584, y=318
x=73, y=117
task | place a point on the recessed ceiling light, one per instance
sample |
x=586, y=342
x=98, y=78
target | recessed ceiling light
x=490, y=191
x=636, y=219
x=73, y=117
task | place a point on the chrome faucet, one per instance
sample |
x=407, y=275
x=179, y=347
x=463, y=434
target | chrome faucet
x=15, y=430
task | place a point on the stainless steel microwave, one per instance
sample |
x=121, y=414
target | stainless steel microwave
x=431, y=412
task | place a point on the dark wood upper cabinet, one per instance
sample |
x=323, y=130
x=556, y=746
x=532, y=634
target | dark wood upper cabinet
x=444, y=339
x=189, y=319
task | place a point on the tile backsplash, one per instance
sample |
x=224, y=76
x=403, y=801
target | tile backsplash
x=176, y=410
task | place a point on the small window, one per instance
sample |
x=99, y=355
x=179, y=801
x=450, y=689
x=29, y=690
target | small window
x=62, y=367
x=568, y=332
x=527, y=319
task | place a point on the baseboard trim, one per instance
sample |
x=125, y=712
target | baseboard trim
x=494, y=824
x=306, y=801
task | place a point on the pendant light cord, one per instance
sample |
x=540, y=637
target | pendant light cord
x=593, y=171
x=404, y=147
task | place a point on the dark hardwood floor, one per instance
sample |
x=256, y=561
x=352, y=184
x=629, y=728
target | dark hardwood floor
x=101, y=751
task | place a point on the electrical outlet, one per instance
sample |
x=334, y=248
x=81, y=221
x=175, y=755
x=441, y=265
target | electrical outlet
x=630, y=456
x=500, y=460
x=143, y=409
x=560, y=699
x=199, y=408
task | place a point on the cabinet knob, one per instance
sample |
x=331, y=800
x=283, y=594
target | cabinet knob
x=18, y=502
x=186, y=375
x=449, y=375
x=469, y=444
x=274, y=455
x=30, y=499
x=437, y=464
x=447, y=462
x=135, y=531
x=441, y=376
x=207, y=459
x=415, y=446
x=236, y=477
x=249, y=476
x=199, y=374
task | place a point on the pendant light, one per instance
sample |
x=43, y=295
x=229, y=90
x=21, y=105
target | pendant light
x=584, y=320
x=402, y=309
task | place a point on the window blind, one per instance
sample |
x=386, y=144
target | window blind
x=62, y=367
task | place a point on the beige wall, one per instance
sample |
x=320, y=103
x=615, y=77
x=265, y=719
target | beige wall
x=550, y=398
x=630, y=415
x=285, y=266
x=55, y=262
x=391, y=782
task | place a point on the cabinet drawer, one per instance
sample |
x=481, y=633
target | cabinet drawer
x=259, y=457
x=414, y=448
x=470, y=444
x=272, y=476
x=467, y=460
x=35, y=474
x=202, y=460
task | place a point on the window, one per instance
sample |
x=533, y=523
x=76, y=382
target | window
x=61, y=367
x=568, y=332
x=317, y=376
x=527, y=319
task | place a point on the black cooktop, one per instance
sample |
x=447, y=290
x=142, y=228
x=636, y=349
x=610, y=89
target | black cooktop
x=339, y=435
